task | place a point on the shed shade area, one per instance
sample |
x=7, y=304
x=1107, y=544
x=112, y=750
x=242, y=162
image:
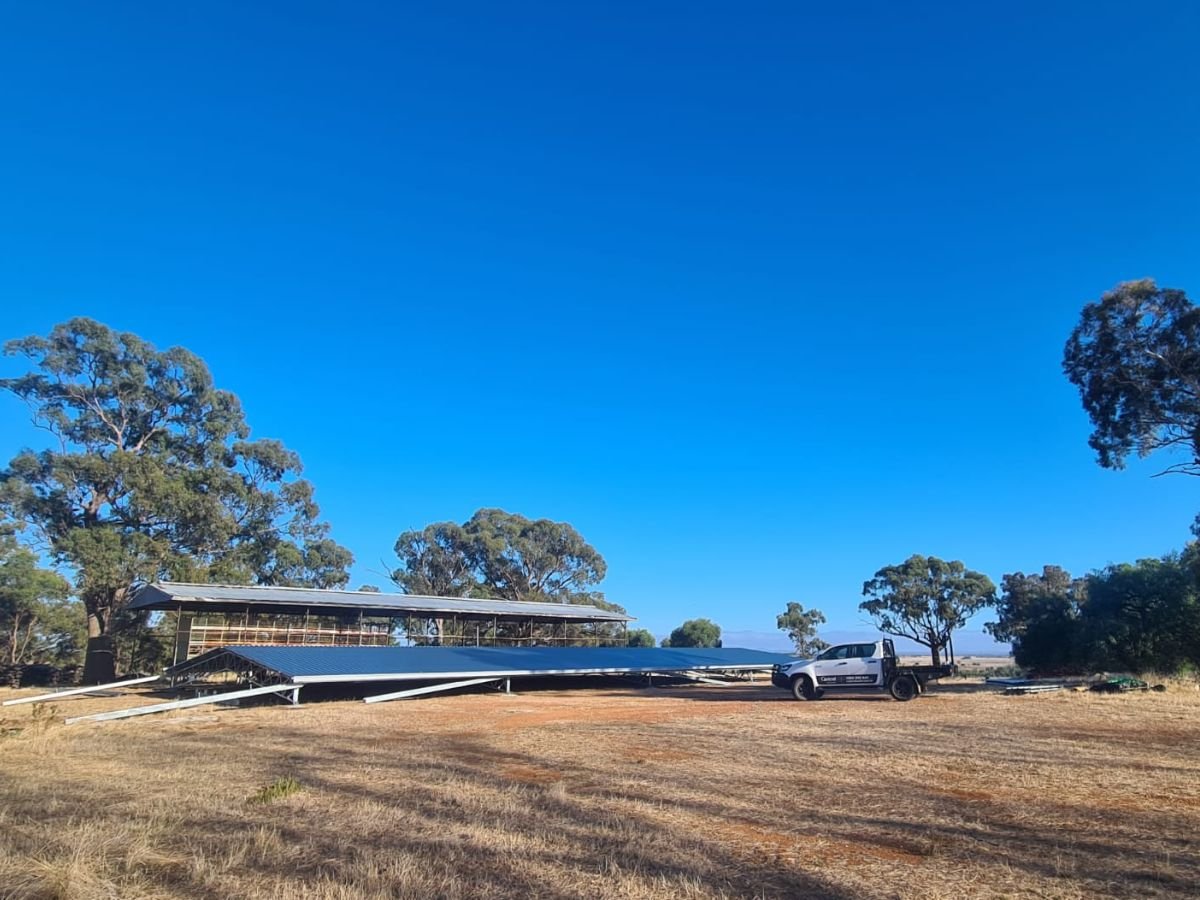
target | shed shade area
x=317, y=665
x=237, y=598
x=209, y=616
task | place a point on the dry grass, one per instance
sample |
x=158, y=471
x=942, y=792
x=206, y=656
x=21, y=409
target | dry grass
x=696, y=792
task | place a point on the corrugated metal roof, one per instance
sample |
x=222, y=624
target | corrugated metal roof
x=314, y=665
x=170, y=595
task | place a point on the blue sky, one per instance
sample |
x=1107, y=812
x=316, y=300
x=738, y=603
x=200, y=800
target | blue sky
x=759, y=297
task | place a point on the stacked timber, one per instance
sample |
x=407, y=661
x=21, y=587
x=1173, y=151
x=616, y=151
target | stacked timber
x=39, y=675
x=11, y=675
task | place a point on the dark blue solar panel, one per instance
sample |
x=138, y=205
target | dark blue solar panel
x=344, y=663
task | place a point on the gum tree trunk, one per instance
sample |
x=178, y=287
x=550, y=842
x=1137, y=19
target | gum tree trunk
x=99, y=663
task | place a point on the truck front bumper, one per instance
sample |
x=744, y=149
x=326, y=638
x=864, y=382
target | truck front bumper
x=780, y=679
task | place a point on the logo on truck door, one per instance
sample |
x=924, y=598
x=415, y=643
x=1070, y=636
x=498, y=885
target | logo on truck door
x=846, y=679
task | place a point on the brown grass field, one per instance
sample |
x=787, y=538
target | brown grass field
x=611, y=791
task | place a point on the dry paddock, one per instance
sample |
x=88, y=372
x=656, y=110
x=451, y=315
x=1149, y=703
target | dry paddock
x=611, y=792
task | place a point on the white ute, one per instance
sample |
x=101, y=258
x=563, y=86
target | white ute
x=852, y=668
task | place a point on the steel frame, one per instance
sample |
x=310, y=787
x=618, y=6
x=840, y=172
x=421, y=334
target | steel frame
x=429, y=689
x=90, y=689
x=246, y=671
x=222, y=697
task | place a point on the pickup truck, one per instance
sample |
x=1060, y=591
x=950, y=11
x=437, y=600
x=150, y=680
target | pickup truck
x=856, y=668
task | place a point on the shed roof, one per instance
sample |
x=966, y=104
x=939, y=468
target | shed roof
x=316, y=665
x=237, y=598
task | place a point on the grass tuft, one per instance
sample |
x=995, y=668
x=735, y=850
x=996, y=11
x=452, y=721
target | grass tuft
x=276, y=790
x=41, y=719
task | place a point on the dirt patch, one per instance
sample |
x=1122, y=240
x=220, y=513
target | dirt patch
x=775, y=843
x=652, y=753
x=531, y=774
x=864, y=853
x=783, y=846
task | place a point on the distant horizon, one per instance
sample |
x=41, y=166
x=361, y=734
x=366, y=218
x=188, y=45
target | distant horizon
x=966, y=643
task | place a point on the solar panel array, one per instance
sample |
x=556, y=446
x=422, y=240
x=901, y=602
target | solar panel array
x=311, y=665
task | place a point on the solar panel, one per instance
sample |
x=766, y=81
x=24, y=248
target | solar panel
x=316, y=665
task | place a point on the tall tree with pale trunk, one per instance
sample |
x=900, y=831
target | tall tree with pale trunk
x=150, y=473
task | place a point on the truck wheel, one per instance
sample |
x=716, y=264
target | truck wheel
x=802, y=688
x=904, y=688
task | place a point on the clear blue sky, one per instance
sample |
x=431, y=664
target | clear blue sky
x=760, y=297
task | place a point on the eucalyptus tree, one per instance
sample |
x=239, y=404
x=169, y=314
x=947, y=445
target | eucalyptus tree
x=37, y=618
x=531, y=559
x=1041, y=615
x=507, y=556
x=695, y=633
x=500, y=554
x=926, y=599
x=149, y=473
x=801, y=625
x=1135, y=358
x=1142, y=616
x=639, y=637
x=436, y=561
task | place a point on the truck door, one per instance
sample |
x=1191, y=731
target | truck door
x=848, y=665
x=830, y=665
x=862, y=666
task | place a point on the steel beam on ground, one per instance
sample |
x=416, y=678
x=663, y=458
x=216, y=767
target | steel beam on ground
x=185, y=704
x=696, y=676
x=90, y=689
x=429, y=689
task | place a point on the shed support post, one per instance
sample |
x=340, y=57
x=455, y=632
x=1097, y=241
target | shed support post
x=508, y=685
x=178, y=628
x=296, y=697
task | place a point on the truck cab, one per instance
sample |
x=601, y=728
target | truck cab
x=857, y=667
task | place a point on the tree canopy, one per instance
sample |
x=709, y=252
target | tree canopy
x=1142, y=616
x=532, y=559
x=38, y=623
x=503, y=555
x=152, y=474
x=1135, y=358
x=1133, y=617
x=695, y=633
x=926, y=599
x=639, y=637
x=1040, y=615
x=801, y=627
x=437, y=561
